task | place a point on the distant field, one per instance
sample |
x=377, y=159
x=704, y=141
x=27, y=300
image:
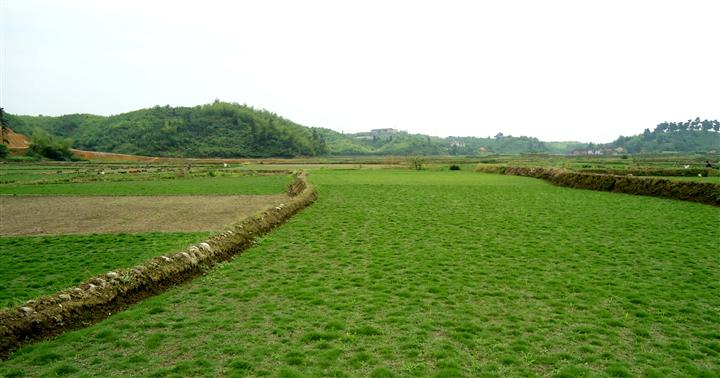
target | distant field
x=403, y=273
x=35, y=266
x=711, y=179
x=207, y=185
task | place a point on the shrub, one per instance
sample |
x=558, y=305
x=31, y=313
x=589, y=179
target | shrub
x=4, y=151
x=454, y=167
x=45, y=145
x=417, y=163
x=490, y=169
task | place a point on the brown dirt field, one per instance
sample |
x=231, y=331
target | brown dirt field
x=51, y=215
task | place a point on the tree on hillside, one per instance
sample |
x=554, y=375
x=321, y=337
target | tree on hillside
x=693, y=135
x=4, y=151
x=45, y=145
x=3, y=128
x=318, y=143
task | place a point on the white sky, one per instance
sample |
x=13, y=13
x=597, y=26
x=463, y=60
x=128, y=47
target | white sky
x=558, y=70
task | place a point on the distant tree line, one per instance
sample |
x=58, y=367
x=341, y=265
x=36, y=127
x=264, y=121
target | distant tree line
x=689, y=125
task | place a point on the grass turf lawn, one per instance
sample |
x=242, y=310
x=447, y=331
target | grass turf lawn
x=35, y=266
x=400, y=273
x=270, y=184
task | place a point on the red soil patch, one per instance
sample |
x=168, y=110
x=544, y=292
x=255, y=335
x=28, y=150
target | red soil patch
x=17, y=140
x=109, y=156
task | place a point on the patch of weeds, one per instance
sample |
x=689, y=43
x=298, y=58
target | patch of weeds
x=15, y=373
x=366, y=330
x=156, y=310
x=573, y=372
x=46, y=358
x=137, y=359
x=240, y=365
x=294, y=358
x=65, y=369
x=360, y=358
x=448, y=373
x=618, y=370
x=153, y=341
x=382, y=372
x=289, y=373
x=320, y=336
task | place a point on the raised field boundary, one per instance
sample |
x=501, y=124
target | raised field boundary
x=690, y=172
x=101, y=296
x=707, y=193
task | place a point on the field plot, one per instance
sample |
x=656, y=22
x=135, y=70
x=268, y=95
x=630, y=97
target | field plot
x=400, y=273
x=711, y=179
x=35, y=266
x=47, y=215
x=94, y=233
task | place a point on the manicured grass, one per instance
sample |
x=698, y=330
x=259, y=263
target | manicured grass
x=35, y=266
x=186, y=186
x=400, y=273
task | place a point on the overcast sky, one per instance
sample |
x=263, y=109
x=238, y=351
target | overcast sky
x=558, y=70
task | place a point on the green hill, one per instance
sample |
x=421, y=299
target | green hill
x=225, y=129
x=691, y=136
x=214, y=130
x=395, y=142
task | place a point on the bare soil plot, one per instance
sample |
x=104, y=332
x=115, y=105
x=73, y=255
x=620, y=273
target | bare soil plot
x=49, y=215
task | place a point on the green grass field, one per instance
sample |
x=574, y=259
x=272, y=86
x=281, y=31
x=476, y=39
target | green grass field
x=42, y=265
x=711, y=179
x=401, y=273
x=8, y=176
x=185, y=186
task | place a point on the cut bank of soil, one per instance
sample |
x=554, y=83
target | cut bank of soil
x=50, y=215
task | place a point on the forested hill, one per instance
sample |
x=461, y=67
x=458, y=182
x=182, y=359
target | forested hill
x=690, y=136
x=214, y=130
x=232, y=130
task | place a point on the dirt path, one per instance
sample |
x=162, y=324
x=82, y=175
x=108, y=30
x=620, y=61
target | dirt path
x=50, y=215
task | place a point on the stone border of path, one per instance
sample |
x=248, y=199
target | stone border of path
x=101, y=296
